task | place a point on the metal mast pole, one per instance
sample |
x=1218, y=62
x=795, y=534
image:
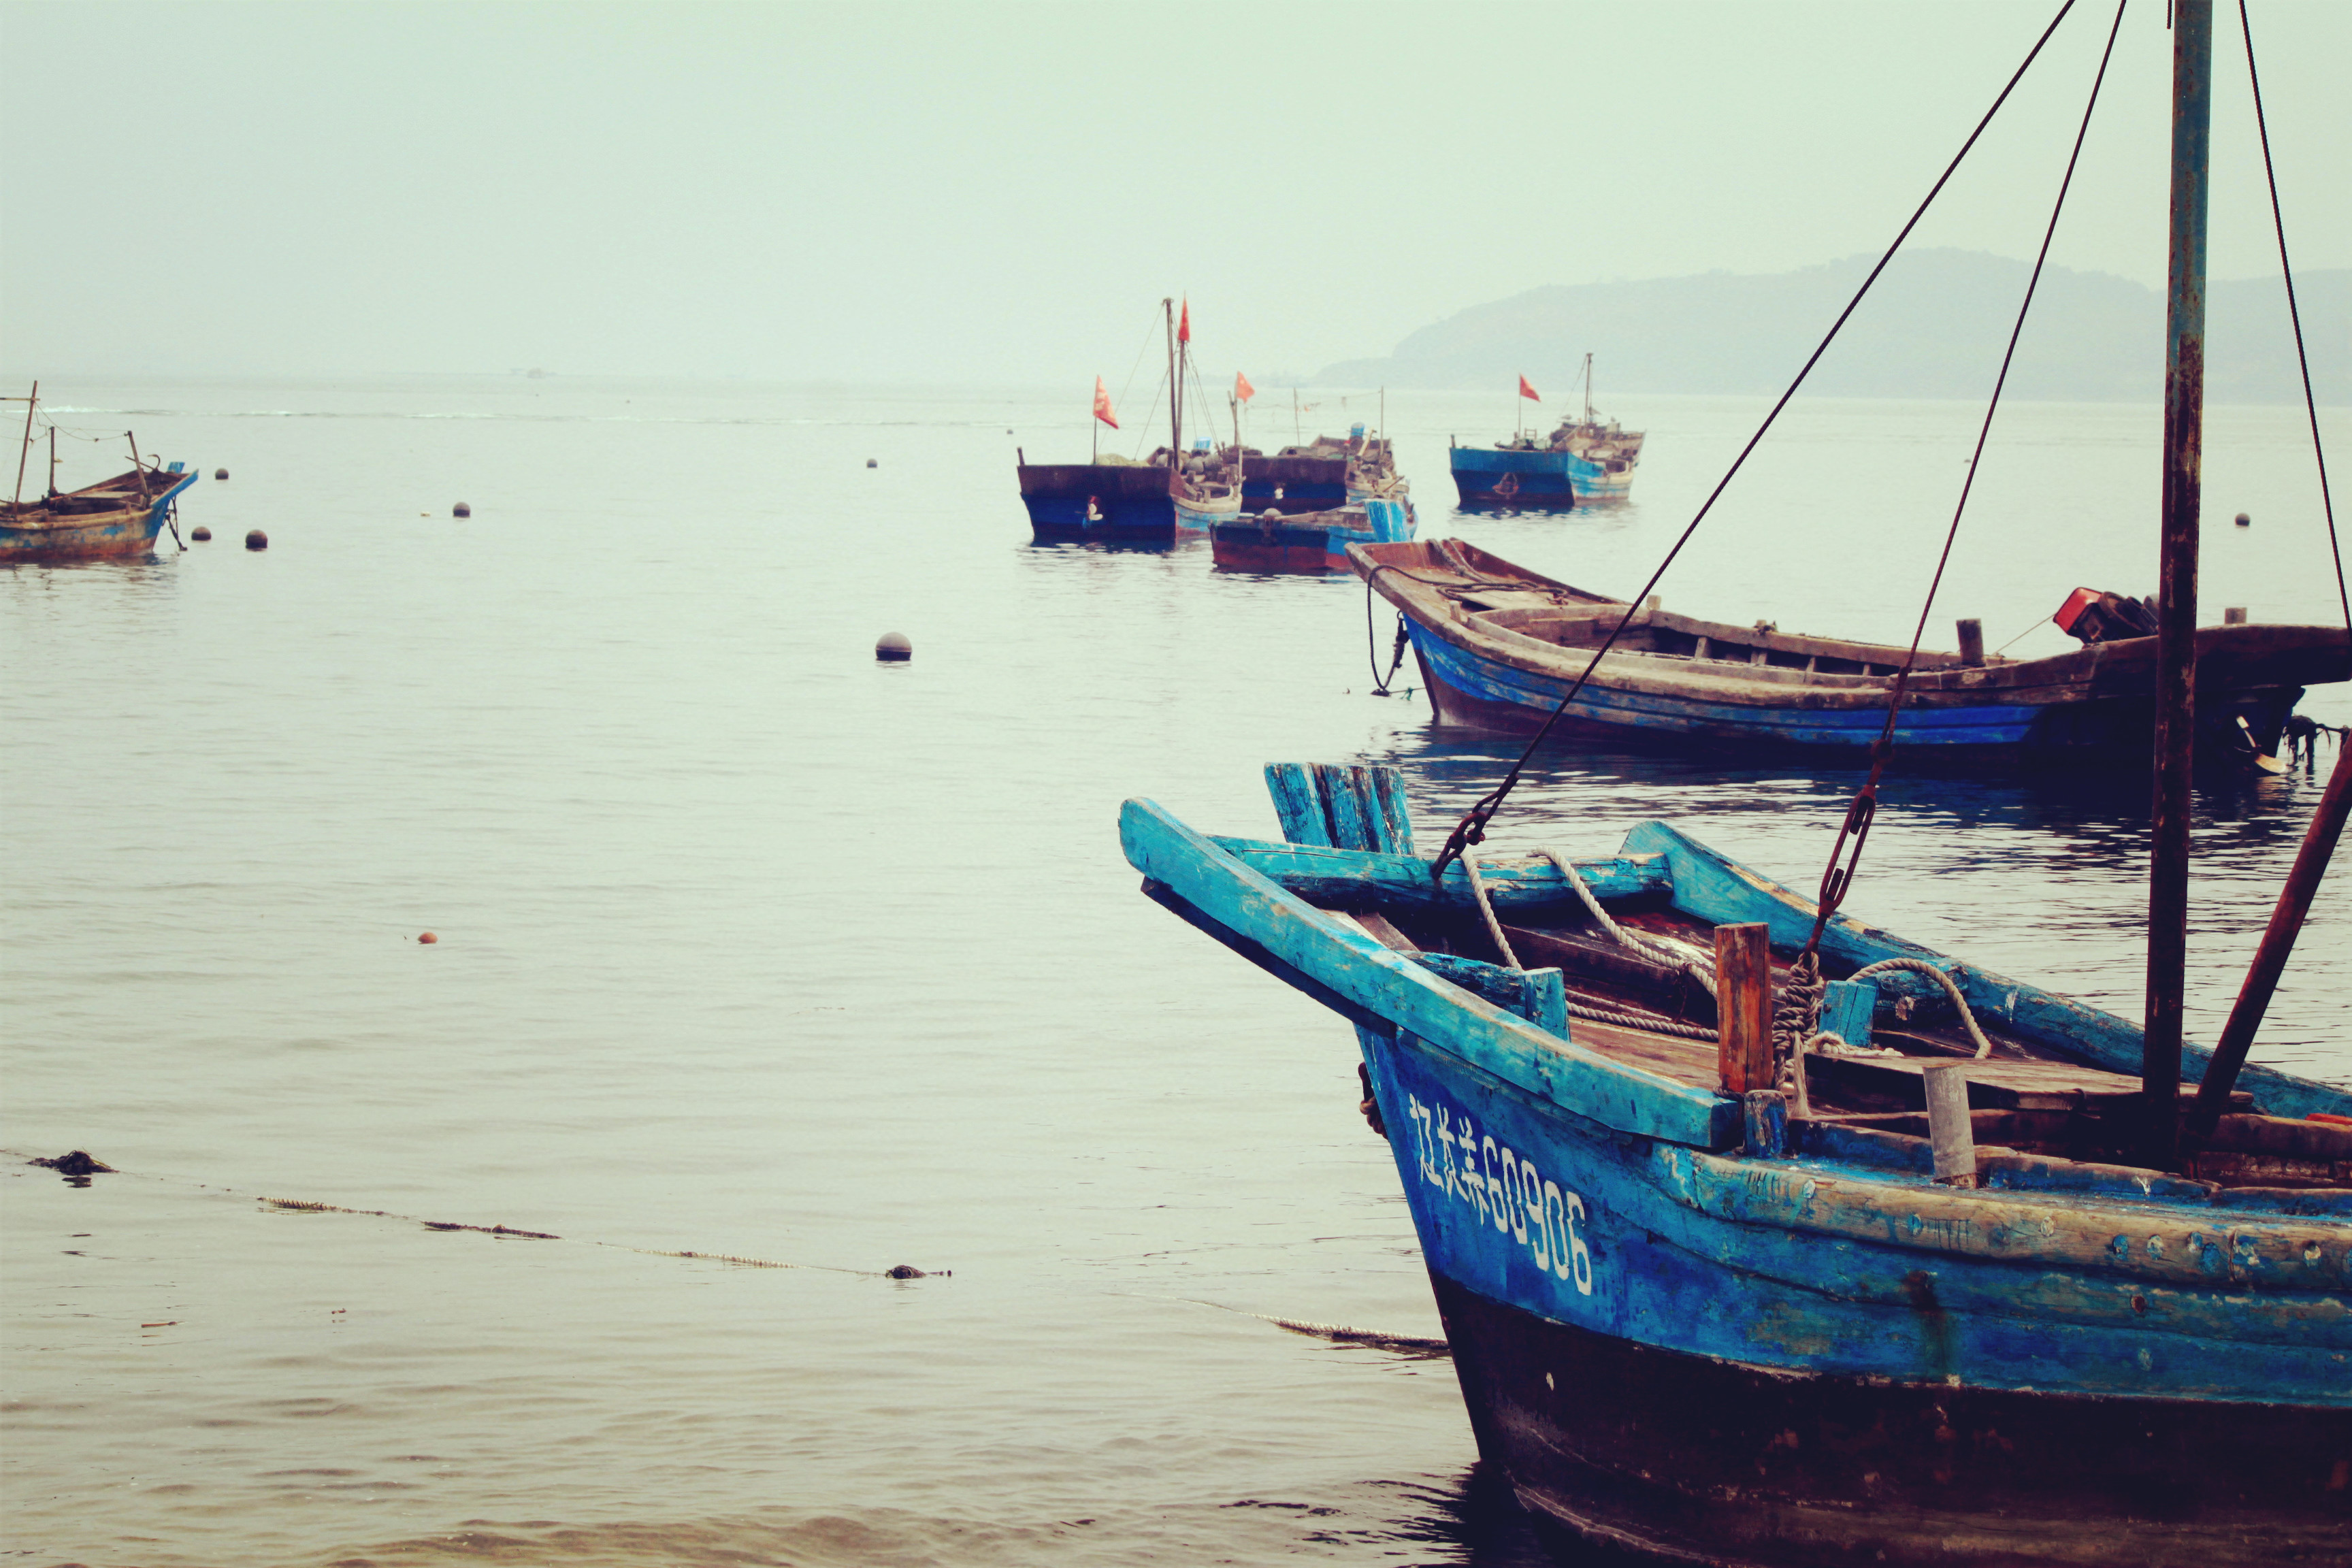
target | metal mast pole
x=2176, y=675
x=26, y=449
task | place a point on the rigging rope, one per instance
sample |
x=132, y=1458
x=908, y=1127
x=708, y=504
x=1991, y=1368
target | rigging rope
x=1836, y=881
x=2303, y=363
x=1472, y=829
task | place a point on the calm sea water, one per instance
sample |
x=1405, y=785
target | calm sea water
x=750, y=946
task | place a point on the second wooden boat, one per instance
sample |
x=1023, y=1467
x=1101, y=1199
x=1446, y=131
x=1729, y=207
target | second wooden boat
x=1315, y=542
x=1499, y=645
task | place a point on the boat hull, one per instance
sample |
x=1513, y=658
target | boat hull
x=1483, y=476
x=1097, y=500
x=1468, y=692
x=1295, y=485
x=99, y=534
x=1654, y=1361
x=1707, y=1460
x=1316, y=543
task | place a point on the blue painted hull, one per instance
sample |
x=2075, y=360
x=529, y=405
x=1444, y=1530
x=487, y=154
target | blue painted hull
x=1104, y=500
x=1310, y=543
x=1815, y=1355
x=1484, y=476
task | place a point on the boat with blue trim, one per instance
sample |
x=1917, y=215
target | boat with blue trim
x=1702, y=1317
x=1584, y=460
x=119, y=516
x=1315, y=541
x=1499, y=645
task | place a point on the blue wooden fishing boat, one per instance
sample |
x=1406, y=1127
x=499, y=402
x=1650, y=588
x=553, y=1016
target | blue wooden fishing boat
x=1113, y=499
x=1499, y=645
x=1323, y=475
x=1689, y=1321
x=1585, y=459
x=1766, y=1238
x=119, y=516
x=1315, y=541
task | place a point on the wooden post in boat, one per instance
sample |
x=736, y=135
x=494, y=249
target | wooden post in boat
x=26, y=450
x=2270, y=959
x=2176, y=657
x=1971, y=644
x=1743, y=979
x=1951, y=1136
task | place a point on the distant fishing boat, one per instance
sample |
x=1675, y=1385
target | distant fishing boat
x=1582, y=460
x=119, y=516
x=1322, y=475
x=1315, y=541
x=1205, y=485
x=1499, y=645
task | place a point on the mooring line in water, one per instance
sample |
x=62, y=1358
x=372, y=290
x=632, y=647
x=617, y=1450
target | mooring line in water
x=507, y=1232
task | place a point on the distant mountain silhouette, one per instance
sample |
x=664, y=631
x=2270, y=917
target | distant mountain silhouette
x=1933, y=327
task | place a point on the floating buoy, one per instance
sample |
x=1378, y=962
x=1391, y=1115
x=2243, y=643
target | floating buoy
x=2245, y=522
x=872, y=464
x=2235, y=615
x=894, y=649
x=427, y=939
x=256, y=539
x=461, y=510
x=905, y=1271
x=200, y=533
x=220, y=473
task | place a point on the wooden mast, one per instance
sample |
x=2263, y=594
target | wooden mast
x=2175, y=673
x=26, y=450
x=1175, y=416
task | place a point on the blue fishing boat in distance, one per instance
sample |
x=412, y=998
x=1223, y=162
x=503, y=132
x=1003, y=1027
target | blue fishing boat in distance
x=1888, y=1286
x=1584, y=460
x=1315, y=541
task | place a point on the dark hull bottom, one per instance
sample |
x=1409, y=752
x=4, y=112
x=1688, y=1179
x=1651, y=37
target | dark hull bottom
x=1546, y=493
x=1697, y=1460
x=1064, y=517
x=1295, y=498
x=98, y=542
x=2104, y=730
x=1311, y=557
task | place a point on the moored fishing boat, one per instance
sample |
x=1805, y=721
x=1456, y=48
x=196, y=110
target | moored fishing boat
x=1314, y=541
x=118, y=515
x=1322, y=475
x=1721, y=1326
x=1584, y=459
x=1499, y=644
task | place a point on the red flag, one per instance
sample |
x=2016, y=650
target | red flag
x=1528, y=392
x=1102, y=405
x=1184, y=327
x=1242, y=388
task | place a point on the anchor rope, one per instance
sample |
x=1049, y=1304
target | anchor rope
x=2303, y=362
x=1472, y=829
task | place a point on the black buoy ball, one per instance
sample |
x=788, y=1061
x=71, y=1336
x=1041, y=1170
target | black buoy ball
x=2245, y=522
x=894, y=649
x=220, y=473
x=461, y=510
x=256, y=539
x=200, y=533
x=872, y=464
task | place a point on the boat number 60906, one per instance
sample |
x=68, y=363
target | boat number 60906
x=1506, y=1189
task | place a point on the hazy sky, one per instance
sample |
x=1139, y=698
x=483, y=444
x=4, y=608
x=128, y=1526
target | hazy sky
x=1003, y=192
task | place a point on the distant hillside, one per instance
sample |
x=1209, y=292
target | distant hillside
x=1933, y=327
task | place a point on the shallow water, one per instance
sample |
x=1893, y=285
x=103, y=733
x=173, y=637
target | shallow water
x=752, y=947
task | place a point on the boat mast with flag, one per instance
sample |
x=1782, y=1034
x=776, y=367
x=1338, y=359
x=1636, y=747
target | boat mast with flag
x=1204, y=485
x=1106, y=497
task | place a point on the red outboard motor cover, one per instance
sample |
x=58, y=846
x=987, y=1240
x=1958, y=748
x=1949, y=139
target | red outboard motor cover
x=2089, y=616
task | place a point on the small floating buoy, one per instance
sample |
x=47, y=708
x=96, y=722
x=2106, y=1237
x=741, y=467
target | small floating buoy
x=200, y=533
x=905, y=1271
x=256, y=539
x=2245, y=522
x=872, y=464
x=220, y=473
x=461, y=510
x=892, y=647
x=427, y=939
x=76, y=1162
x=2235, y=615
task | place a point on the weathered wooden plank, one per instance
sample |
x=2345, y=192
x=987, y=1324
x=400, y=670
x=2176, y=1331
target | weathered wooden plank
x=1743, y=994
x=1718, y=889
x=1355, y=967
x=1847, y=1009
x=1369, y=880
x=1392, y=813
x=1343, y=791
x=1296, y=804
